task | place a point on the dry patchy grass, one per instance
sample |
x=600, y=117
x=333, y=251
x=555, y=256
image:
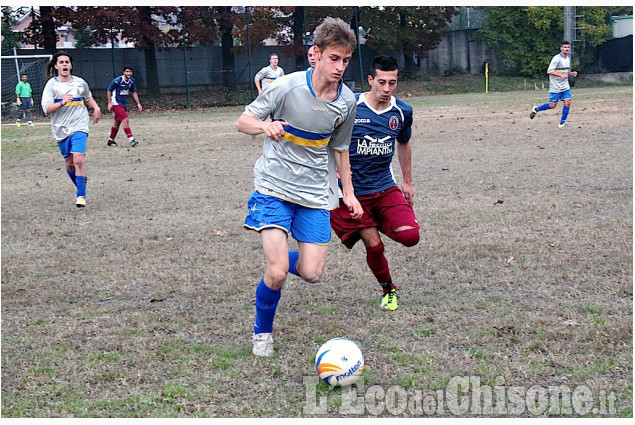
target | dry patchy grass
x=141, y=304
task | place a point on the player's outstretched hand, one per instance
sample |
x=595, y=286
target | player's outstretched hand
x=139, y=107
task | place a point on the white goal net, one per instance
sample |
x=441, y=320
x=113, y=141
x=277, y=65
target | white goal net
x=13, y=66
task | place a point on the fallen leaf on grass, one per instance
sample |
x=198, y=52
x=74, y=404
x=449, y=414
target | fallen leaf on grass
x=511, y=261
x=500, y=201
x=504, y=330
x=570, y=322
x=222, y=233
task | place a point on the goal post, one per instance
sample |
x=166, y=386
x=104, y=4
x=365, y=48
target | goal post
x=13, y=66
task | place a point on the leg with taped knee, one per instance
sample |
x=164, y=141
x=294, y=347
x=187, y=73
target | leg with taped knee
x=408, y=237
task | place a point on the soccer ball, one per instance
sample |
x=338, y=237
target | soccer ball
x=339, y=361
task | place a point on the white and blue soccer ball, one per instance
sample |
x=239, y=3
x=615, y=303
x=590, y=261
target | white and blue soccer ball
x=340, y=362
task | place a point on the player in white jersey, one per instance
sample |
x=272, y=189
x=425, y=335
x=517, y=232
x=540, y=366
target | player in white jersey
x=559, y=71
x=269, y=73
x=383, y=126
x=63, y=100
x=312, y=115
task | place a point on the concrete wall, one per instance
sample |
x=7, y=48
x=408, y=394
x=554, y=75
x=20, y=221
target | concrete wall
x=611, y=77
x=458, y=52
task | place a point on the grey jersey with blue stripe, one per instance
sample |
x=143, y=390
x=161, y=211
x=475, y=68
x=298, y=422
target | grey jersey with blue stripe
x=72, y=117
x=561, y=65
x=299, y=168
x=268, y=75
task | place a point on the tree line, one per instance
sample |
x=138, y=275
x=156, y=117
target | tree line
x=522, y=36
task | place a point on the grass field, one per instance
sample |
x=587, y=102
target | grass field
x=141, y=304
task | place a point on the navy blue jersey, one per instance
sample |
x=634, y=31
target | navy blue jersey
x=373, y=143
x=120, y=89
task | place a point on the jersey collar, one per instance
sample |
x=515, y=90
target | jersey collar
x=309, y=72
x=392, y=103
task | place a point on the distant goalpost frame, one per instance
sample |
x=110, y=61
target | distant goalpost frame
x=32, y=65
x=16, y=57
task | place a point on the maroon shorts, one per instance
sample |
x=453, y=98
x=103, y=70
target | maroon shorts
x=120, y=112
x=385, y=210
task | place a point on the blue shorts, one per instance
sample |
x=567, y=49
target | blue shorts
x=555, y=97
x=75, y=143
x=309, y=225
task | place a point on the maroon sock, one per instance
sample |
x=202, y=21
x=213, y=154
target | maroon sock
x=128, y=132
x=113, y=132
x=379, y=265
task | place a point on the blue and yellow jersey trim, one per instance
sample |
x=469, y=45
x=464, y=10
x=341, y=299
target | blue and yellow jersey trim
x=305, y=138
x=75, y=102
x=308, y=83
x=269, y=79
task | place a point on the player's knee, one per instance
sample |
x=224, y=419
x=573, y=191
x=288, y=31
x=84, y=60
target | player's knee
x=407, y=237
x=78, y=160
x=276, y=277
x=312, y=275
x=315, y=278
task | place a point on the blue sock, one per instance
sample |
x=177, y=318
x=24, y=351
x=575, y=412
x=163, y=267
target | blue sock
x=80, y=181
x=266, y=304
x=565, y=113
x=543, y=107
x=71, y=174
x=293, y=262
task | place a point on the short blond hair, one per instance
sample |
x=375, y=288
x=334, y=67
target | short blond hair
x=334, y=32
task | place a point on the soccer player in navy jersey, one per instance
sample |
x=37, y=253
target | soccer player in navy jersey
x=312, y=114
x=117, y=93
x=382, y=125
x=559, y=89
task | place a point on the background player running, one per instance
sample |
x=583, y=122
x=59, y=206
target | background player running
x=269, y=73
x=382, y=124
x=117, y=94
x=559, y=89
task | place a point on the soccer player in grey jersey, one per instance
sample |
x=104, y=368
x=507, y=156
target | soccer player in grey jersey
x=269, y=73
x=312, y=118
x=64, y=100
x=559, y=89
